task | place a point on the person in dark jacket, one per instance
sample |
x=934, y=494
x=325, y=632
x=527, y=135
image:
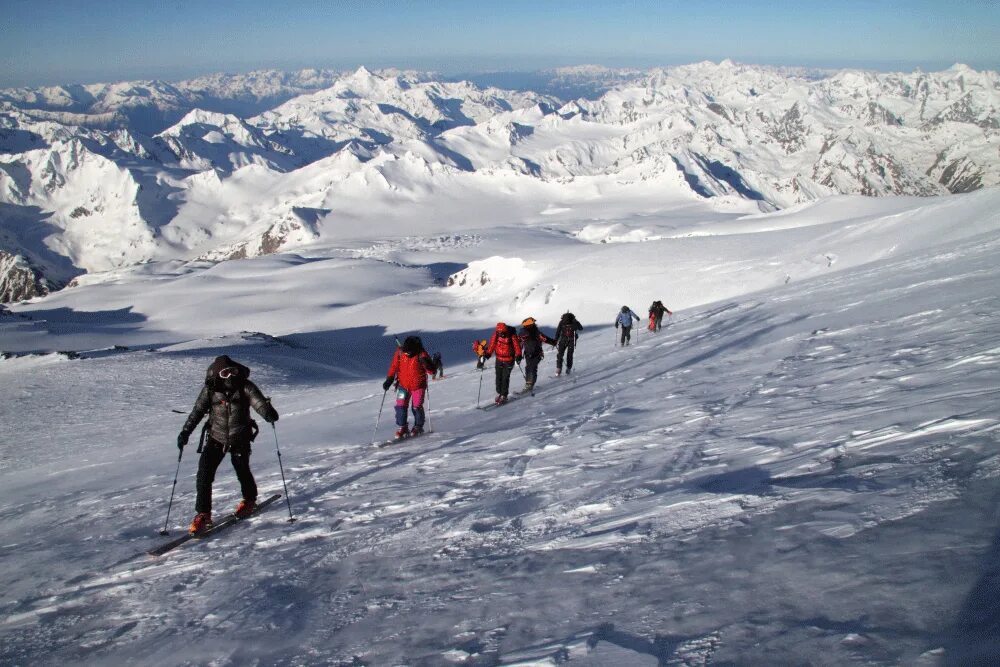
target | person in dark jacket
x=656, y=312
x=409, y=370
x=438, y=366
x=531, y=344
x=566, y=334
x=226, y=398
x=624, y=320
x=507, y=346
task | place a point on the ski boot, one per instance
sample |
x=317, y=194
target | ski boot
x=201, y=524
x=417, y=430
x=245, y=508
x=559, y=372
x=568, y=371
x=402, y=433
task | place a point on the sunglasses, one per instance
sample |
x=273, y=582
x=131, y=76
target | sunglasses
x=227, y=373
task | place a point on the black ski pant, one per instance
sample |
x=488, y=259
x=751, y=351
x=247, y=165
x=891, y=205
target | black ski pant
x=626, y=335
x=212, y=455
x=659, y=321
x=504, y=369
x=531, y=369
x=566, y=348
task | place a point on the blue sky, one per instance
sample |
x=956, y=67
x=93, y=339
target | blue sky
x=70, y=41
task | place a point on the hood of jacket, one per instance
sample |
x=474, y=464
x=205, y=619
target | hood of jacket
x=216, y=383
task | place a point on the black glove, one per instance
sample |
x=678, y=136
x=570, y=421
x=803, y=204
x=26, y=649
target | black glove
x=182, y=439
x=517, y=360
x=387, y=384
x=616, y=325
x=480, y=364
x=271, y=416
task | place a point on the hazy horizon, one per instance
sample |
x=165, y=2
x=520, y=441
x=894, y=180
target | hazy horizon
x=65, y=42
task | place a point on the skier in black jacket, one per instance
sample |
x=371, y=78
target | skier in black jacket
x=656, y=312
x=531, y=346
x=226, y=398
x=566, y=335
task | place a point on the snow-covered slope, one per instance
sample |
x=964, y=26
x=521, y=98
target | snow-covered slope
x=801, y=468
x=235, y=157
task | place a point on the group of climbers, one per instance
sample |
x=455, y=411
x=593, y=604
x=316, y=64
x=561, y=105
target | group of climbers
x=227, y=395
x=510, y=347
x=626, y=316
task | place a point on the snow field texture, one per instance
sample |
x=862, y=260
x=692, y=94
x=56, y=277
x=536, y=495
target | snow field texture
x=800, y=468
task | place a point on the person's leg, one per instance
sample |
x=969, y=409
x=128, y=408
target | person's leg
x=560, y=352
x=531, y=370
x=624, y=333
x=504, y=378
x=241, y=464
x=211, y=457
x=569, y=357
x=402, y=402
x=417, y=403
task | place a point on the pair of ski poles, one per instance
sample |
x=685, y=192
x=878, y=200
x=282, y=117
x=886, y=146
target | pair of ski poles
x=170, y=504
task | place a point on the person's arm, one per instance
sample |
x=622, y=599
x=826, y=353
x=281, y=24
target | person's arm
x=490, y=348
x=427, y=363
x=517, y=348
x=260, y=403
x=201, y=407
x=390, y=377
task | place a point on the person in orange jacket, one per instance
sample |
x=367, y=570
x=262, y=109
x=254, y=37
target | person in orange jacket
x=409, y=370
x=479, y=347
x=505, y=344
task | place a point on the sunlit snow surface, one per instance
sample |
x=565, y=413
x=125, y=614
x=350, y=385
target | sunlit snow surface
x=801, y=468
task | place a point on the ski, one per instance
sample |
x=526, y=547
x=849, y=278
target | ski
x=491, y=406
x=225, y=523
x=396, y=441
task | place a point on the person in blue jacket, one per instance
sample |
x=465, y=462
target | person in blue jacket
x=624, y=321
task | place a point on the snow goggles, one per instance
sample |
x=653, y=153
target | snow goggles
x=227, y=373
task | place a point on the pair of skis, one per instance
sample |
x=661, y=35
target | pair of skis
x=228, y=521
x=396, y=441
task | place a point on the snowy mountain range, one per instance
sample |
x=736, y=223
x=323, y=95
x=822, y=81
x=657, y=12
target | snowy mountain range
x=96, y=178
x=802, y=467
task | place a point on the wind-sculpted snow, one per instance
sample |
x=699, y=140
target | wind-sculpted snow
x=800, y=468
x=231, y=157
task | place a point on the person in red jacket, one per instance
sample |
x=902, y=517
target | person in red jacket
x=409, y=370
x=506, y=345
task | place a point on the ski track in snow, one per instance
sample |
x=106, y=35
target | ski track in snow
x=804, y=475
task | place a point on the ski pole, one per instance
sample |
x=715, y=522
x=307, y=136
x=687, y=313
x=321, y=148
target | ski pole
x=427, y=408
x=479, y=395
x=174, y=488
x=291, y=519
x=382, y=405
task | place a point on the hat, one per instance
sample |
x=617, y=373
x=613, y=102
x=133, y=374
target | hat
x=528, y=321
x=412, y=345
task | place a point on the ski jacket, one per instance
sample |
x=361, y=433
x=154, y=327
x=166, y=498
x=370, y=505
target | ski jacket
x=505, y=344
x=658, y=309
x=531, y=342
x=411, y=371
x=228, y=402
x=566, y=332
x=625, y=318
